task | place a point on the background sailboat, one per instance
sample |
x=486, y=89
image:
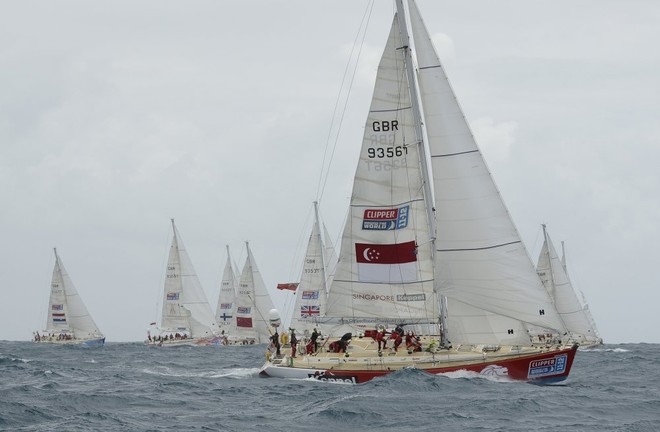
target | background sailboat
x=186, y=316
x=253, y=304
x=226, y=308
x=428, y=237
x=317, y=272
x=552, y=271
x=68, y=320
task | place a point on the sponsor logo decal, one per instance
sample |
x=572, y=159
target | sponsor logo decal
x=243, y=310
x=411, y=297
x=322, y=376
x=548, y=366
x=172, y=296
x=225, y=306
x=385, y=219
x=310, y=295
x=57, y=307
x=494, y=371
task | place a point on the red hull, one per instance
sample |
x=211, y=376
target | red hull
x=542, y=368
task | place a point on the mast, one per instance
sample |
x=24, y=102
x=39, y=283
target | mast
x=417, y=116
x=419, y=134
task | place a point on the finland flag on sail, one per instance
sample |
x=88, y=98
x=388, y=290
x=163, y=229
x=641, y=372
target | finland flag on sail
x=387, y=263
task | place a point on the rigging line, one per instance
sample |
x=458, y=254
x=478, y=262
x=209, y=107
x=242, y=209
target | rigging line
x=365, y=20
x=266, y=321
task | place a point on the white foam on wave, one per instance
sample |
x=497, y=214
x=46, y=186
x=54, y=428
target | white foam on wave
x=465, y=374
x=595, y=350
x=231, y=373
x=15, y=359
x=239, y=373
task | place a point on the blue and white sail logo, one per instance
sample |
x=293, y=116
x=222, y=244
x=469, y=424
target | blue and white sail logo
x=549, y=366
x=385, y=219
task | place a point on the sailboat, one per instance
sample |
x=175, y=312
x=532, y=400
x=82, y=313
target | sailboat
x=429, y=250
x=68, y=321
x=253, y=304
x=226, y=308
x=575, y=314
x=312, y=290
x=186, y=315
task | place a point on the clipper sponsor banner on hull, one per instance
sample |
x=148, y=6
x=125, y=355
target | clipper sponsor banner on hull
x=385, y=219
x=545, y=367
x=387, y=263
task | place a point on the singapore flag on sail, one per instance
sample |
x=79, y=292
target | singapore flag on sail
x=388, y=263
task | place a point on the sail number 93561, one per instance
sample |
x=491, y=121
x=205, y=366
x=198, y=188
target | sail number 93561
x=389, y=152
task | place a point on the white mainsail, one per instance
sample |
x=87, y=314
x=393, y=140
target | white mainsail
x=226, y=309
x=185, y=307
x=552, y=271
x=67, y=313
x=385, y=269
x=253, y=303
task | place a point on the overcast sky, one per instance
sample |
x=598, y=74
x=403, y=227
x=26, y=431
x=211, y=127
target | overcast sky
x=117, y=116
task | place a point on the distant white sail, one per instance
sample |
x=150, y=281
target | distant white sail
x=226, y=309
x=552, y=272
x=253, y=303
x=185, y=307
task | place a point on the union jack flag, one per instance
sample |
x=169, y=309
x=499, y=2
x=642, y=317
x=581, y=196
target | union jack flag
x=308, y=311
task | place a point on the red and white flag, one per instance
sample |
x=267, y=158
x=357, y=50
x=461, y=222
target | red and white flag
x=387, y=263
x=287, y=286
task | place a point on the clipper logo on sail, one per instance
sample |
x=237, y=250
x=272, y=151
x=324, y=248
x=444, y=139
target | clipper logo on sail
x=310, y=295
x=387, y=263
x=385, y=219
x=173, y=296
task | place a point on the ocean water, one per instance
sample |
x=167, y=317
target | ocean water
x=130, y=387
